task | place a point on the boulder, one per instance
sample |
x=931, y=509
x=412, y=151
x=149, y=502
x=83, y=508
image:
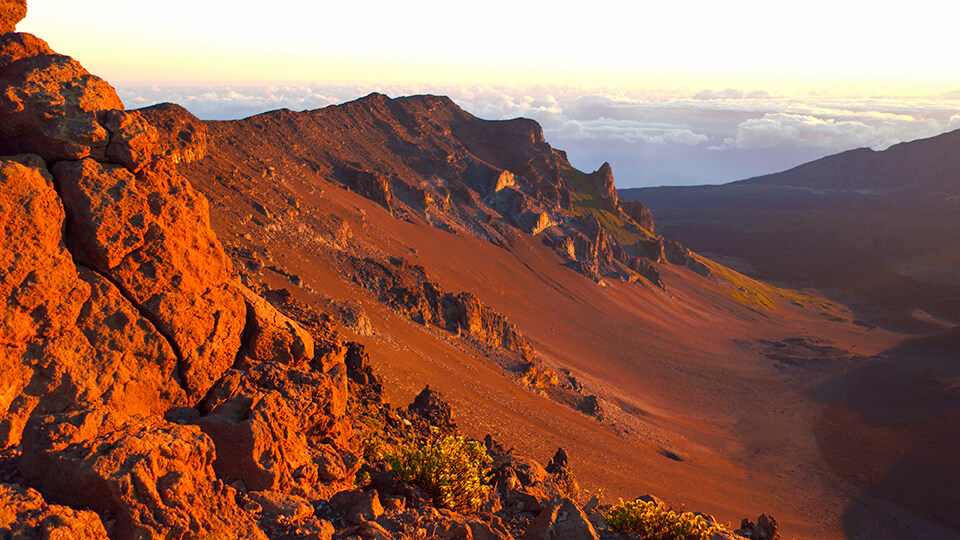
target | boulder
x=129, y=366
x=273, y=336
x=17, y=46
x=109, y=211
x=51, y=106
x=132, y=139
x=431, y=407
x=71, y=339
x=38, y=280
x=639, y=213
x=39, y=292
x=155, y=478
x=282, y=515
x=182, y=136
x=766, y=528
x=26, y=516
x=259, y=442
x=317, y=400
x=165, y=259
x=11, y=12
x=562, y=520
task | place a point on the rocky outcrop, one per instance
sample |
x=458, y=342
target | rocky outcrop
x=25, y=515
x=272, y=335
x=11, y=12
x=260, y=444
x=429, y=406
x=52, y=107
x=17, y=46
x=407, y=289
x=602, y=180
x=639, y=213
x=71, y=339
x=676, y=253
x=562, y=520
x=155, y=478
x=766, y=528
x=150, y=235
x=132, y=139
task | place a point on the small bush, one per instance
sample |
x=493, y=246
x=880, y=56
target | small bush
x=454, y=471
x=654, y=521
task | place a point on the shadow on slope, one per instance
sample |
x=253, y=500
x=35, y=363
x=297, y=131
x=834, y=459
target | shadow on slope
x=890, y=429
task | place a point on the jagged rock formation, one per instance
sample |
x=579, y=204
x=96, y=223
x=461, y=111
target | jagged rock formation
x=639, y=212
x=407, y=289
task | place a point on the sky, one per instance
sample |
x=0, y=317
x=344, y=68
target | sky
x=667, y=92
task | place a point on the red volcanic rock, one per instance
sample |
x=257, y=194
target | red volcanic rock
x=272, y=335
x=132, y=139
x=259, y=442
x=167, y=260
x=129, y=365
x=25, y=515
x=108, y=211
x=639, y=213
x=11, y=12
x=17, y=46
x=430, y=406
x=50, y=105
x=766, y=528
x=156, y=478
x=182, y=137
x=67, y=330
x=39, y=277
x=562, y=520
x=318, y=400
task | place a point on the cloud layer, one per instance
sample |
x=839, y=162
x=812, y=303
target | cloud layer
x=650, y=137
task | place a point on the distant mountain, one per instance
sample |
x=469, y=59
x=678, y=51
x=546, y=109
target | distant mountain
x=927, y=168
x=879, y=228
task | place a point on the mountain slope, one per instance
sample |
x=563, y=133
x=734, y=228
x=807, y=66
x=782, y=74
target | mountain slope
x=876, y=228
x=681, y=378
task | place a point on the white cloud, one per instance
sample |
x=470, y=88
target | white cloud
x=681, y=129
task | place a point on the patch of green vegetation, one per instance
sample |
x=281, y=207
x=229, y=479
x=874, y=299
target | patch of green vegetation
x=584, y=193
x=586, y=201
x=654, y=521
x=453, y=470
x=751, y=292
x=742, y=289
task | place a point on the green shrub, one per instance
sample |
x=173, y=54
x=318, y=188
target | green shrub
x=654, y=521
x=454, y=471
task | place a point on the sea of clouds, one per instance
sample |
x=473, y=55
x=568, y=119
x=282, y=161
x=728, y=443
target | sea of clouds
x=649, y=137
